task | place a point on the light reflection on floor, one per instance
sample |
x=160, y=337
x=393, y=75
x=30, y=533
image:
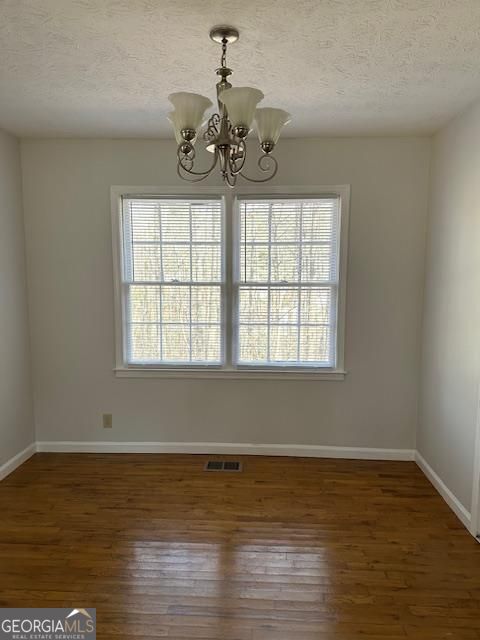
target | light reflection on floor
x=222, y=585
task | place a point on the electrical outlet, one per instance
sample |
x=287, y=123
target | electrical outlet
x=107, y=421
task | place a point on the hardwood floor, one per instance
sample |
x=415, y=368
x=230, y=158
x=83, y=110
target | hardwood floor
x=290, y=549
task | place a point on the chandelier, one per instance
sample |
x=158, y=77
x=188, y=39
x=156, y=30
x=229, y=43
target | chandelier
x=226, y=131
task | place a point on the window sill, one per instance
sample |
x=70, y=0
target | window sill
x=232, y=374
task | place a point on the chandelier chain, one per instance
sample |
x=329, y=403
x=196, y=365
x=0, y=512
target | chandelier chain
x=223, y=60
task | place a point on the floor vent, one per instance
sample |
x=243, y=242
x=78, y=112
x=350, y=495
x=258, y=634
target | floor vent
x=223, y=465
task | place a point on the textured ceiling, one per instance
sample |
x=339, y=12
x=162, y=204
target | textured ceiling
x=105, y=67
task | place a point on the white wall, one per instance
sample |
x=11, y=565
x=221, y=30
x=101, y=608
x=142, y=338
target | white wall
x=67, y=207
x=16, y=419
x=451, y=330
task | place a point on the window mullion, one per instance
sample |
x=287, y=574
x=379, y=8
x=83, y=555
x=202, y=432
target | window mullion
x=127, y=272
x=160, y=289
x=229, y=291
x=132, y=254
x=191, y=280
x=269, y=277
x=333, y=320
x=126, y=308
x=299, y=299
x=260, y=284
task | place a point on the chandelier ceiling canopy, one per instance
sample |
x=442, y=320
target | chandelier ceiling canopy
x=226, y=131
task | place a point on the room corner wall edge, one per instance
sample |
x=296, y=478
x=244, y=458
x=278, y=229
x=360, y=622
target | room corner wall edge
x=452, y=501
x=17, y=460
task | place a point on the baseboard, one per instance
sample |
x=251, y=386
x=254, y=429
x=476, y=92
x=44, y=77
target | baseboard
x=223, y=448
x=17, y=460
x=453, y=502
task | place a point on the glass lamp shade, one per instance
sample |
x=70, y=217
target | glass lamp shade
x=241, y=103
x=270, y=122
x=174, y=119
x=189, y=110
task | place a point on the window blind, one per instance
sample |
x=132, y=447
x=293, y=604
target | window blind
x=173, y=277
x=287, y=281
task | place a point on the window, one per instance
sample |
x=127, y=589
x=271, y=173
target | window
x=173, y=279
x=288, y=282
x=239, y=286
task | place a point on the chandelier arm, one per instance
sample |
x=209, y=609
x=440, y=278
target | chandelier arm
x=186, y=155
x=230, y=179
x=190, y=158
x=264, y=168
x=199, y=176
x=234, y=168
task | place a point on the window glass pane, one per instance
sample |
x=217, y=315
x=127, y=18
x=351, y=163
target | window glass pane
x=316, y=305
x=176, y=263
x=206, y=223
x=175, y=223
x=206, y=304
x=206, y=265
x=144, y=304
x=283, y=343
x=284, y=262
x=144, y=342
x=317, y=263
x=206, y=343
x=256, y=266
x=285, y=222
x=284, y=306
x=254, y=222
x=253, y=305
x=315, y=339
x=146, y=223
x=176, y=343
x=146, y=263
x=318, y=223
x=175, y=305
x=253, y=343
x=315, y=344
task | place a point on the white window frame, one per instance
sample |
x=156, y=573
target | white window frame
x=228, y=369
